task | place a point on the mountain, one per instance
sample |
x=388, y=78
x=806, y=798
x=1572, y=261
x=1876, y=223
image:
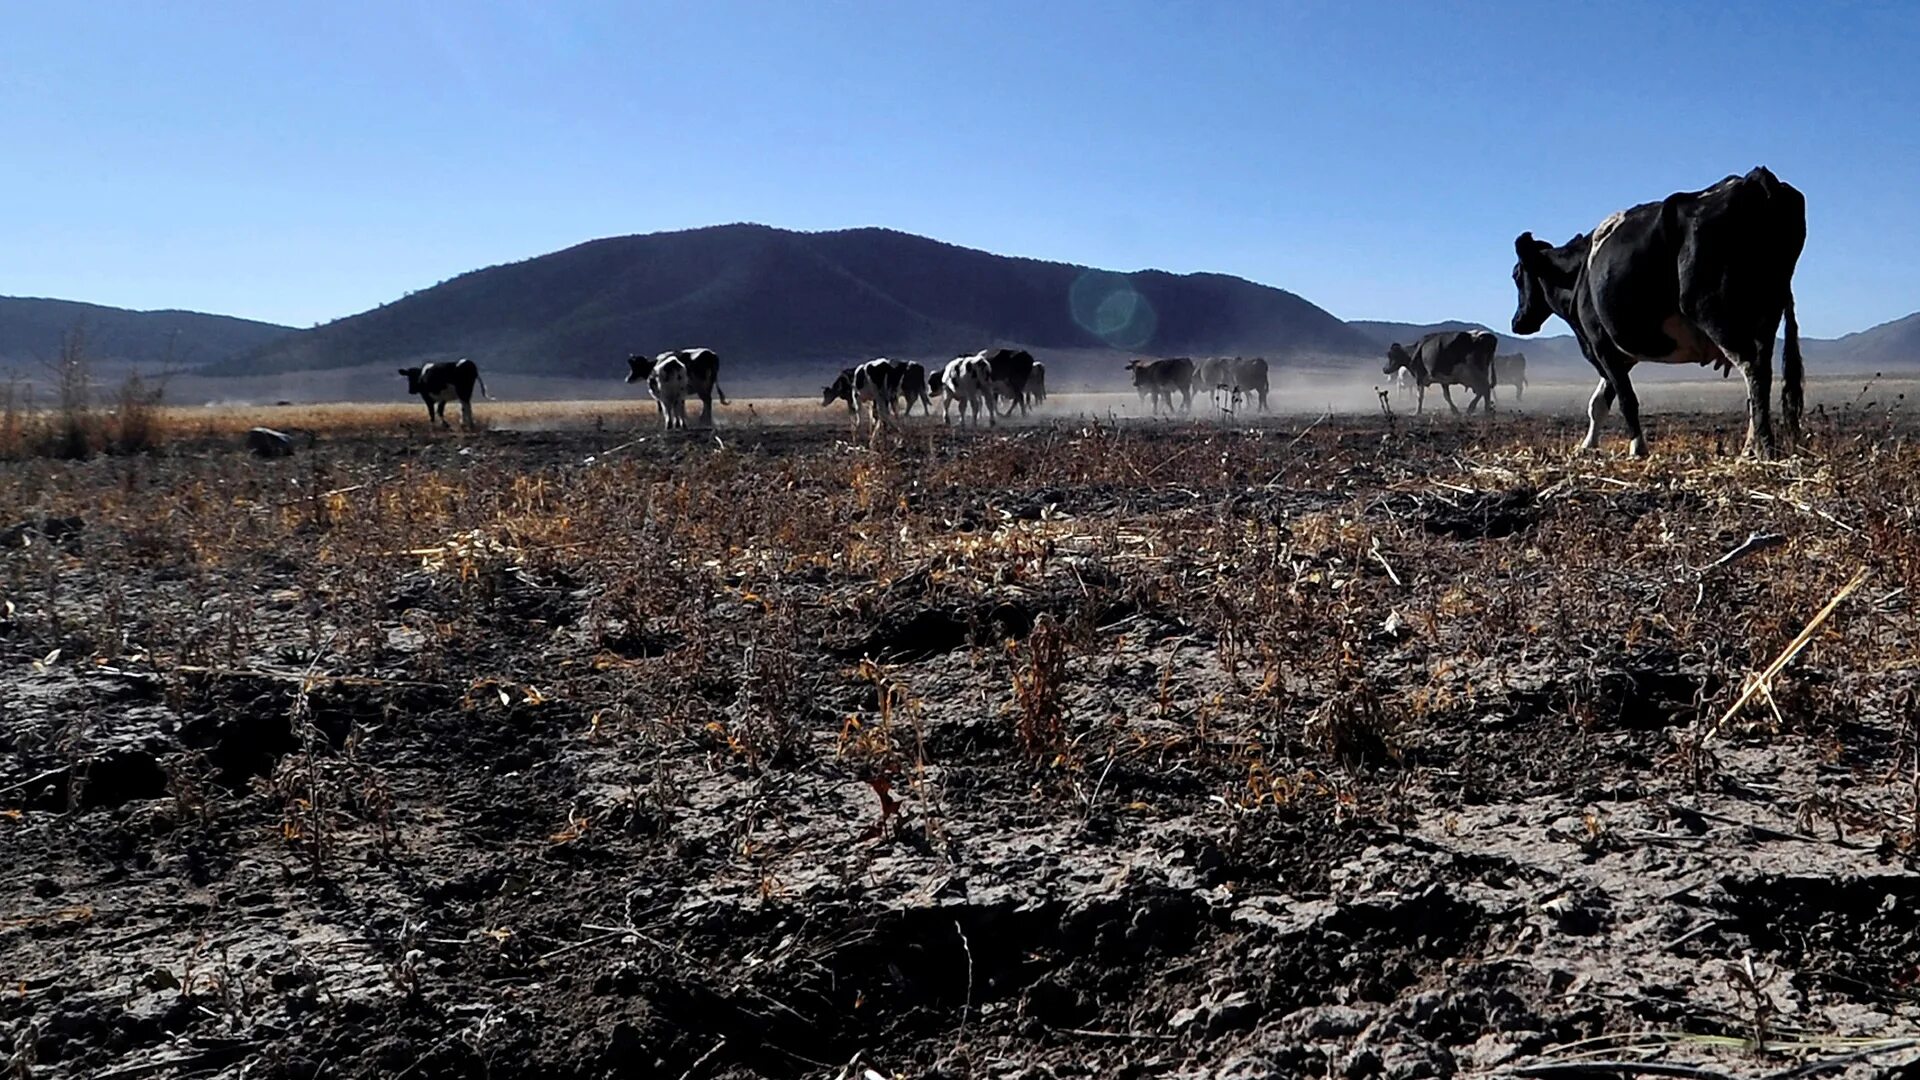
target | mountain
x=765, y=297
x=1554, y=350
x=1891, y=344
x=32, y=330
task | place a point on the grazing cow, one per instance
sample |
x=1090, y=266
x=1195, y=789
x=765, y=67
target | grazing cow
x=1011, y=369
x=668, y=382
x=703, y=375
x=1510, y=369
x=1449, y=358
x=439, y=383
x=968, y=381
x=1161, y=379
x=1698, y=277
x=840, y=389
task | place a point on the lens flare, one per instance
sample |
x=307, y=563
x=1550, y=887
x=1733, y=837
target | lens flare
x=1107, y=306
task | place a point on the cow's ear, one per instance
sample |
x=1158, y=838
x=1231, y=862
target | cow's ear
x=403, y=371
x=1531, y=252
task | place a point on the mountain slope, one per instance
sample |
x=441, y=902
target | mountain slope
x=765, y=297
x=32, y=329
x=1891, y=344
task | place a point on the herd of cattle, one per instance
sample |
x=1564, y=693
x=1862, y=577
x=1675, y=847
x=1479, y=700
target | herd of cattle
x=1699, y=277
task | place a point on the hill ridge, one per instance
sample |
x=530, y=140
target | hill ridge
x=767, y=297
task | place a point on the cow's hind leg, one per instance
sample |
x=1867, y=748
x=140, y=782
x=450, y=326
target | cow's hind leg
x=1597, y=407
x=1446, y=391
x=1630, y=415
x=466, y=413
x=706, y=407
x=1759, y=372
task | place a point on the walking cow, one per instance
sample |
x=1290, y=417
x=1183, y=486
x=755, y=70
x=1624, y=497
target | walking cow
x=1450, y=358
x=1159, y=380
x=439, y=383
x=1698, y=277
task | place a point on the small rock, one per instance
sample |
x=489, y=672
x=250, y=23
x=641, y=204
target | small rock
x=1251, y=1067
x=268, y=443
x=1322, y=1022
x=1363, y=1064
x=1235, y=1012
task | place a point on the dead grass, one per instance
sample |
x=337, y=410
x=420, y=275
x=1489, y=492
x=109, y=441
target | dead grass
x=1358, y=592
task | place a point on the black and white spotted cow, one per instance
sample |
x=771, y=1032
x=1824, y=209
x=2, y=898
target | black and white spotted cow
x=702, y=367
x=440, y=382
x=668, y=381
x=968, y=382
x=1699, y=277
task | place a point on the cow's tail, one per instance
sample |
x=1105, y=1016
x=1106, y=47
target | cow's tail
x=722, y=393
x=1792, y=376
x=482, y=383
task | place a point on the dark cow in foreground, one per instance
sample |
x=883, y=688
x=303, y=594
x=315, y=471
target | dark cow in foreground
x=1450, y=358
x=439, y=383
x=1234, y=376
x=1699, y=277
x=1510, y=369
x=702, y=376
x=1161, y=379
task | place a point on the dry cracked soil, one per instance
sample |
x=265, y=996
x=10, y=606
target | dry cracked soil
x=1345, y=748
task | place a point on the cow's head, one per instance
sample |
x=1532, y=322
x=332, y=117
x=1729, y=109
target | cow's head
x=413, y=379
x=841, y=389
x=1397, y=358
x=638, y=368
x=1545, y=277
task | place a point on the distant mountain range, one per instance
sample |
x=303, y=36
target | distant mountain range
x=780, y=304
x=32, y=330
x=766, y=298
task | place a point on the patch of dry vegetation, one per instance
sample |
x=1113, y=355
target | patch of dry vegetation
x=1295, y=631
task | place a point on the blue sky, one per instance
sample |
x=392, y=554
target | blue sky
x=301, y=162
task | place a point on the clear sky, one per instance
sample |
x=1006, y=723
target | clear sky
x=303, y=161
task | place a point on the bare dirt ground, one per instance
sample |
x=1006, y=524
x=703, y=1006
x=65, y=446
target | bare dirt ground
x=1352, y=746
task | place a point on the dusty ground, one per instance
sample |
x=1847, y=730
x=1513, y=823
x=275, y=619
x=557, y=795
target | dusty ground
x=1346, y=747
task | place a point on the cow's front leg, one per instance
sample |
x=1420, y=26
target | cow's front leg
x=466, y=413
x=1446, y=391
